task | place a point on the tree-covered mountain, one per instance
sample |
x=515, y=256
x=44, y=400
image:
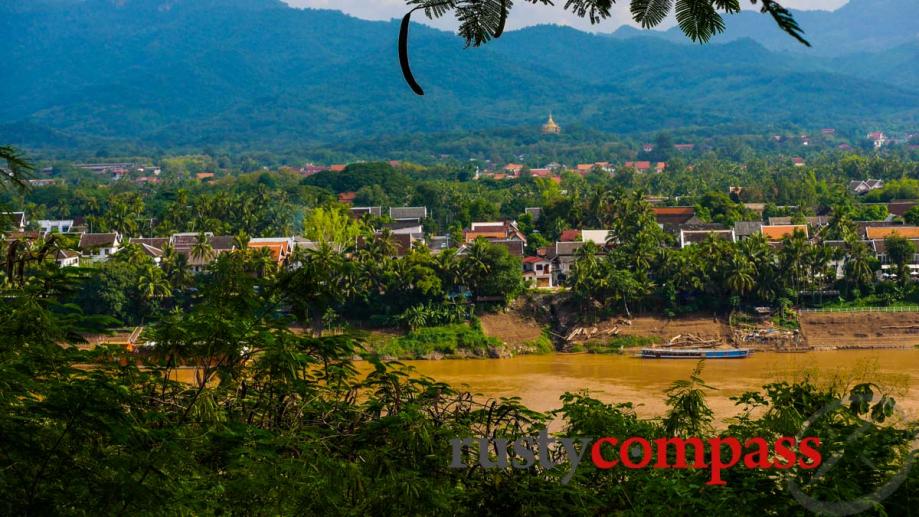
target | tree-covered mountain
x=257, y=73
x=859, y=26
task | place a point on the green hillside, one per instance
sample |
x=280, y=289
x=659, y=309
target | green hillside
x=257, y=73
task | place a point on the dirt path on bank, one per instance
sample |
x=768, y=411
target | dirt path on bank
x=660, y=328
x=511, y=328
x=706, y=327
x=860, y=329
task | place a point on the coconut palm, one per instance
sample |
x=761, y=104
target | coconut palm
x=740, y=275
x=901, y=252
x=202, y=249
x=241, y=240
x=265, y=264
x=17, y=170
x=475, y=266
x=589, y=279
x=859, y=269
x=153, y=284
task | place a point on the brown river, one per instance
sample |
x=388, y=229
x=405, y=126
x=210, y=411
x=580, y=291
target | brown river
x=539, y=380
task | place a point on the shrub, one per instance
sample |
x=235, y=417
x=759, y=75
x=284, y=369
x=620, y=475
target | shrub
x=542, y=345
x=447, y=340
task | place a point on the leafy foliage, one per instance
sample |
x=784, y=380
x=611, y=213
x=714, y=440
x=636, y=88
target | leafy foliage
x=483, y=20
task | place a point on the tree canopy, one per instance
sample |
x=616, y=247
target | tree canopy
x=480, y=21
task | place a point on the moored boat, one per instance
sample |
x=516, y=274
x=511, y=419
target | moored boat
x=696, y=353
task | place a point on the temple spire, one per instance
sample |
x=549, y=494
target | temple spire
x=550, y=127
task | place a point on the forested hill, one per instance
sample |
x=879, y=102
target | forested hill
x=259, y=74
x=857, y=26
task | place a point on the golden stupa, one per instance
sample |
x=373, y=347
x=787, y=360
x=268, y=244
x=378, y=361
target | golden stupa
x=550, y=127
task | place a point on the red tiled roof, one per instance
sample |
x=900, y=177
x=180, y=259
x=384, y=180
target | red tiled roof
x=278, y=249
x=642, y=166
x=779, y=232
x=882, y=232
x=570, y=235
x=674, y=210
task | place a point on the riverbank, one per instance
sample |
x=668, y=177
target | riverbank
x=861, y=329
x=513, y=332
x=459, y=341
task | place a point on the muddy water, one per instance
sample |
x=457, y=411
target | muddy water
x=540, y=380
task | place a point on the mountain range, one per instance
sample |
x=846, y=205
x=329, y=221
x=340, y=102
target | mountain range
x=859, y=26
x=87, y=74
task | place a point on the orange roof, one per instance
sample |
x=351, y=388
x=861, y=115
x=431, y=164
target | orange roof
x=570, y=235
x=337, y=167
x=347, y=197
x=204, y=175
x=556, y=179
x=513, y=167
x=674, y=210
x=638, y=165
x=585, y=166
x=471, y=235
x=882, y=232
x=780, y=231
x=278, y=249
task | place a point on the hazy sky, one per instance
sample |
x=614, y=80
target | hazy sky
x=524, y=13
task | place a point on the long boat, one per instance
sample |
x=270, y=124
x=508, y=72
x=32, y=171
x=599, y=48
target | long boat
x=695, y=353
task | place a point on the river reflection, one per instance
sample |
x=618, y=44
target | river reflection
x=540, y=380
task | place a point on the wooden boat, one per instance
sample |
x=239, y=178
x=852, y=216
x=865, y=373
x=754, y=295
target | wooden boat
x=665, y=353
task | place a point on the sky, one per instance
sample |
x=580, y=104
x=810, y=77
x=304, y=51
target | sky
x=523, y=15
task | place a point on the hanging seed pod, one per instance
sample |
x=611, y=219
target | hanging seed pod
x=403, y=56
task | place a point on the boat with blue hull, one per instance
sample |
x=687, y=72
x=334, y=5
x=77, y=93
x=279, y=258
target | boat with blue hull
x=724, y=353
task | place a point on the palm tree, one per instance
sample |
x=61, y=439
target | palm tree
x=448, y=266
x=175, y=266
x=901, y=252
x=265, y=265
x=17, y=170
x=202, y=249
x=475, y=266
x=858, y=268
x=153, y=284
x=740, y=273
x=793, y=260
x=841, y=225
x=762, y=257
x=589, y=279
x=241, y=240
